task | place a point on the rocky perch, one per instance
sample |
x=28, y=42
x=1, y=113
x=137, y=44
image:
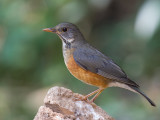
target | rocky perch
x=60, y=104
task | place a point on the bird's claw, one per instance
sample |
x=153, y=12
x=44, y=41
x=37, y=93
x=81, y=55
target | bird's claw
x=83, y=99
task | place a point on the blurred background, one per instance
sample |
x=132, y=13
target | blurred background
x=31, y=61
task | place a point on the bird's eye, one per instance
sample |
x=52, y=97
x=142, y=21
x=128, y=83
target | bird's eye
x=64, y=29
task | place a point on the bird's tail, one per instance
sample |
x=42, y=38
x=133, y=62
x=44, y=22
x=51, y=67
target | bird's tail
x=141, y=93
x=133, y=88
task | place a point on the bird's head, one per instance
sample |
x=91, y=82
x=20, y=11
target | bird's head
x=68, y=33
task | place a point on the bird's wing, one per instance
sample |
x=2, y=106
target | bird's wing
x=96, y=62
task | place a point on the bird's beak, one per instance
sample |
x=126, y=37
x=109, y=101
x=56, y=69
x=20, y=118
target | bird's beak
x=50, y=30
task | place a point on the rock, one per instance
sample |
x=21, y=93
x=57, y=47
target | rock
x=61, y=104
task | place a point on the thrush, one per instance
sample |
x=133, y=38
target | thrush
x=89, y=65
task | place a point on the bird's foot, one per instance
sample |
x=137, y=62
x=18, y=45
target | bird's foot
x=81, y=98
x=84, y=98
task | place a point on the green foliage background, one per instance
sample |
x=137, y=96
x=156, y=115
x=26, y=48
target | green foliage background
x=31, y=60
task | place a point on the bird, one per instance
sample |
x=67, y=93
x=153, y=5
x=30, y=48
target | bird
x=89, y=65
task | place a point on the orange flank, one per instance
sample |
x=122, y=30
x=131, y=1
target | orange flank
x=85, y=75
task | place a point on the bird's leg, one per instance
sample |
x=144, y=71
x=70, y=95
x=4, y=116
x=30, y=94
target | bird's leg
x=85, y=98
x=90, y=94
x=98, y=93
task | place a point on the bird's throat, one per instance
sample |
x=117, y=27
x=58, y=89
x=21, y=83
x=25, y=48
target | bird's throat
x=66, y=44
